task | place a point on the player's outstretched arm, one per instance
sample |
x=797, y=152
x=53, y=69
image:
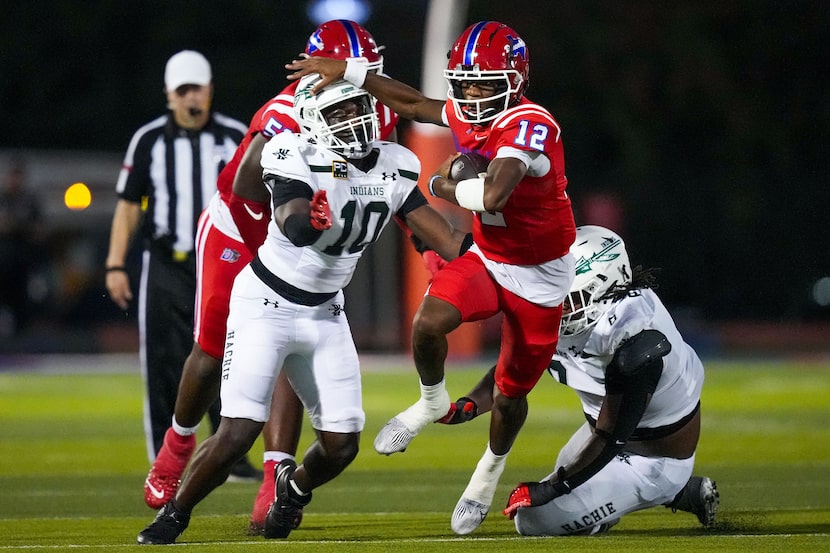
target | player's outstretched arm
x=401, y=98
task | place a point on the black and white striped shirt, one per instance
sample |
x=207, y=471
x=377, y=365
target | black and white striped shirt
x=176, y=170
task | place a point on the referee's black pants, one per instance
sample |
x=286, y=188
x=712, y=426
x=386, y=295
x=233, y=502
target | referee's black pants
x=167, y=293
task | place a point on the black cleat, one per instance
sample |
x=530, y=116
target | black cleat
x=167, y=526
x=700, y=497
x=287, y=509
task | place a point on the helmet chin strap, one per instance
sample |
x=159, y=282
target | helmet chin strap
x=488, y=111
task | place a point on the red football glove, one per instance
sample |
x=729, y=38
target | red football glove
x=320, y=211
x=462, y=410
x=519, y=497
x=433, y=262
x=533, y=494
x=251, y=220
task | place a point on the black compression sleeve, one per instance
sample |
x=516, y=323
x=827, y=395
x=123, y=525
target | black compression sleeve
x=298, y=229
x=415, y=200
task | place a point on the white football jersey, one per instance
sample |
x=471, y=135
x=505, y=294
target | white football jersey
x=580, y=360
x=361, y=206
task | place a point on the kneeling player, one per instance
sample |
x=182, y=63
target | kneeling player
x=639, y=384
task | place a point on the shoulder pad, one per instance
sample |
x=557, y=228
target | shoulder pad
x=639, y=356
x=400, y=157
x=283, y=155
x=641, y=349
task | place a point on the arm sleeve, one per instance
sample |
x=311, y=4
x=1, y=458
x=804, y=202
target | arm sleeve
x=297, y=227
x=415, y=200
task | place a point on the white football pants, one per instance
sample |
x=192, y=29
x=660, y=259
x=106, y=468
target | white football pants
x=314, y=345
x=626, y=484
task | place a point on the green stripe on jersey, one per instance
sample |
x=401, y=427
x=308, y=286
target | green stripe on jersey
x=411, y=175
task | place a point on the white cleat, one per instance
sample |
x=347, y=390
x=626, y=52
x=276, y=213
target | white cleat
x=394, y=437
x=468, y=515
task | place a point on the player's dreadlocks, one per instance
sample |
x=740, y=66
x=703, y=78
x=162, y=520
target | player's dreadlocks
x=640, y=278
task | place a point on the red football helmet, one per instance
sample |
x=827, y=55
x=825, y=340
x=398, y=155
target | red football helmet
x=344, y=39
x=492, y=54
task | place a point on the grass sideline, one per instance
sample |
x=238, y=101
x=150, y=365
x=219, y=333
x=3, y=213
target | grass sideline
x=72, y=463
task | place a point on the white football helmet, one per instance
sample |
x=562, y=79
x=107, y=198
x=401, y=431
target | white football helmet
x=341, y=117
x=601, y=264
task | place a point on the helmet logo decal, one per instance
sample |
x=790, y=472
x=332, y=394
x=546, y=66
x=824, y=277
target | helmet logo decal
x=314, y=42
x=518, y=48
x=583, y=265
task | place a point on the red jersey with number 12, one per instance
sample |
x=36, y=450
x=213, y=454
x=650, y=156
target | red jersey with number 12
x=537, y=224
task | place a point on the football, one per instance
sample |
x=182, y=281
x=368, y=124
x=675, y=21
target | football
x=468, y=166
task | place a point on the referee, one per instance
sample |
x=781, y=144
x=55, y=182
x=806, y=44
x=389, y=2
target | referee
x=168, y=177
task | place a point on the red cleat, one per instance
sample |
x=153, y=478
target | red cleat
x=264, y=499
x=164, y=476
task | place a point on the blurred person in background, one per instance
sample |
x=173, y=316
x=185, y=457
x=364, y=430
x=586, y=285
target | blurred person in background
x=20, y=232
x=168, y=176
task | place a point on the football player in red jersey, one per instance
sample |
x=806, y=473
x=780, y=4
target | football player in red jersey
x=230, y=231
x=523, y=228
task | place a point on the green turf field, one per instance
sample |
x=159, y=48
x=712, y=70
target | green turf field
x=72, y=463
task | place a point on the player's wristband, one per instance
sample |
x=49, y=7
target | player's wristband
x=355, y=72
x=432, y=184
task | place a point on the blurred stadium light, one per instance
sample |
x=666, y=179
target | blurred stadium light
x=324, y=10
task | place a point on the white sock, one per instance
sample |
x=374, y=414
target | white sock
x=276, y=456
x=434, y=404
x=485, y=478
x=183, y=430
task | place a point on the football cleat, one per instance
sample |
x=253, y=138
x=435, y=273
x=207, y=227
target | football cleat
x=394, y=437
x=285, y=513
x=165, y=528
x=263, y=502
x=163, y=479
x=709, y=500
x=468, y=515
x=700, y=497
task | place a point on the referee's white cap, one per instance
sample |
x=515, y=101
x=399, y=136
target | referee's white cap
x=187, y=67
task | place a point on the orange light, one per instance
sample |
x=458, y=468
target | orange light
x=77, y=196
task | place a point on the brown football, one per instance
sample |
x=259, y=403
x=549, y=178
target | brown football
x=468, y=166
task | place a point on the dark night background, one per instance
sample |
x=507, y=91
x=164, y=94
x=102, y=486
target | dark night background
x=707, y=122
